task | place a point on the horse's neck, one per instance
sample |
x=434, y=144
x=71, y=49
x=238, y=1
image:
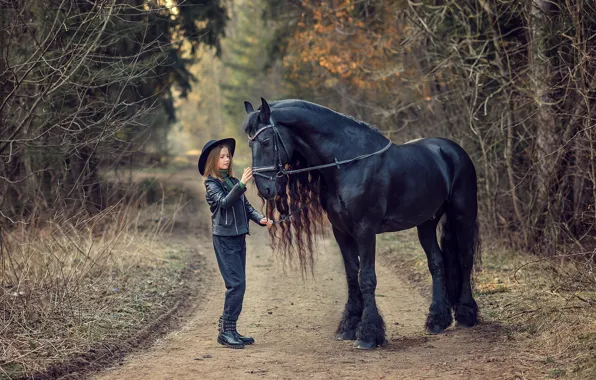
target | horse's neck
x=324, y=142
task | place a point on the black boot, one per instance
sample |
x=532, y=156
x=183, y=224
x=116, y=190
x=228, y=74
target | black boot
x=227, y=334
x=245, y=339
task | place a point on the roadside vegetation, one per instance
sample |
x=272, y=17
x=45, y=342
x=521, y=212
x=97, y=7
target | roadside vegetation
x=545, y=305
x=78, y=293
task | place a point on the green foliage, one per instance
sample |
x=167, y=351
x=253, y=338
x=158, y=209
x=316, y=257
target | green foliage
x=245, y=62
x=215, y=108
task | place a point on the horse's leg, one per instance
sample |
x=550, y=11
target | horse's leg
x=461, y=242
x=439, y=316
x=353, y=310
x=466, y=309
x=371, y=332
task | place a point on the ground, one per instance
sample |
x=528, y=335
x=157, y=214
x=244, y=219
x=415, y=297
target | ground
x=293, y=321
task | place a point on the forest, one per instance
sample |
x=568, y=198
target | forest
x=96, y=90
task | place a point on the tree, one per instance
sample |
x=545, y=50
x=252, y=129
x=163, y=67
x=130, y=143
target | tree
x=82, y=81
x=511, y=81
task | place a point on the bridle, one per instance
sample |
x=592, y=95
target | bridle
x=279, y=166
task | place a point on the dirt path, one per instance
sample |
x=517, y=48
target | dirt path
x=294, y=320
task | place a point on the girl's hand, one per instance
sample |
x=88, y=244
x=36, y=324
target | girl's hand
x=247, y=176
x=266, y=222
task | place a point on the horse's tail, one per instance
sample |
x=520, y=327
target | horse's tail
x=460, y=243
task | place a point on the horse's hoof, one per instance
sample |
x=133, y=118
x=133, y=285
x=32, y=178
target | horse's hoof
x=436, y=325
x=346, y=335
x=434, y=329
x=466, y=316
x=361, y=345
x=438, y=319
x=461, y=325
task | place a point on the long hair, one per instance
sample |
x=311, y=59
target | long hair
x=211, y=166
x=298, y=203
x=298, y=200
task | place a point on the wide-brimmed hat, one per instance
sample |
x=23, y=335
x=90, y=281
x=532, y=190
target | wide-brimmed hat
x=230, y=142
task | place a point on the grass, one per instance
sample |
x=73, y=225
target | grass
x=546, y=305
x=74, y=284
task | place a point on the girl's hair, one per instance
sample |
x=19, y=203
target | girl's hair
x=211, y=167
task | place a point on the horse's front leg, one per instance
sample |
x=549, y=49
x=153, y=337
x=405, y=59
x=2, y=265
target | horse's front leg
x=353, y=311
x=372, y=328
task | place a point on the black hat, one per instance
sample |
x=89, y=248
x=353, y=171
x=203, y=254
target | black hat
x=210, y=145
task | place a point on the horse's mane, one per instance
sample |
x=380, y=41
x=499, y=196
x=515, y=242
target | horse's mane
x=251, y=124
x=299, y=194
x=298, y=197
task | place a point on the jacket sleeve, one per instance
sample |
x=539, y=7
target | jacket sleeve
x=253, y=214
x=217, y=197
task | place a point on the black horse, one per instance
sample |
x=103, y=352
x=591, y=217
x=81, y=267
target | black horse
x=366, y=185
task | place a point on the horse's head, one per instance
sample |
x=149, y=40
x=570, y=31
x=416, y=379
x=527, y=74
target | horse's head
x=271, y=148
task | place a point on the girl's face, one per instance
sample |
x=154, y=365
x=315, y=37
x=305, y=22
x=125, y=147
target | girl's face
x=224, y=159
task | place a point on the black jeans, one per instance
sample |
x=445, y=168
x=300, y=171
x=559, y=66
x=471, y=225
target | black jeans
x=231, y=259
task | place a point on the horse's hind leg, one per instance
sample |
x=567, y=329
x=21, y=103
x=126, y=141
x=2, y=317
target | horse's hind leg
x=466, y=309
x=460, y=242
x=353, y=311
x=439, y=316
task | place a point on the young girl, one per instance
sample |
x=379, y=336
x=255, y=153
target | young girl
x=231, y=212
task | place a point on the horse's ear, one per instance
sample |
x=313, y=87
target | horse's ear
x=248, y=107
x=265, y=113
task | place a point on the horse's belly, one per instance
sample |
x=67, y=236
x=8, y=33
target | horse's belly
x=392, y=224
x=409, y=217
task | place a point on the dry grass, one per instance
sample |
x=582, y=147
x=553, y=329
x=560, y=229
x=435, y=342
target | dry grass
x=546, y=305
x=75, y=283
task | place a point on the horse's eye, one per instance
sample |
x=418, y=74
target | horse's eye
x=266, y=142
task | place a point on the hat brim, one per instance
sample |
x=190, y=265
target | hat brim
x=230, y=142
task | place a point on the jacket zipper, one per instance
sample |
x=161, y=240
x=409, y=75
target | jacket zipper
x=234, y=212
x=246, y=216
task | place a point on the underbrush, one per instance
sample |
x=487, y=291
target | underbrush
x=546, y=304
x=80, y=282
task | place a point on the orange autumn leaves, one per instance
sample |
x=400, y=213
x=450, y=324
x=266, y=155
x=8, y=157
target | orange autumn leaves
x=342, y=40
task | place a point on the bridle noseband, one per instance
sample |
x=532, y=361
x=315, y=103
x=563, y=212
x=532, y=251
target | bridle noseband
x=278, y=165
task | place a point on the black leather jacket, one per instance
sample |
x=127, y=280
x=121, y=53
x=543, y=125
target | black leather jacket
x=230, y=209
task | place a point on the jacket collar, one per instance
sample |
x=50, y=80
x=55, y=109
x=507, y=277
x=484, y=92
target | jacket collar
x=220, y=181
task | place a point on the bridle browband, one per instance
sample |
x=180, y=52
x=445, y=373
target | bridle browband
x=279, y=166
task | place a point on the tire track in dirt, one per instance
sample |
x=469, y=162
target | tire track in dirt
x=293, y=321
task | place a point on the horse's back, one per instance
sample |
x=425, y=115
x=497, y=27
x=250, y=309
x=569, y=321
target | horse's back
x=443, y=149
x=456, y=166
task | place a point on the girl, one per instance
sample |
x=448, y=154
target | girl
x=230, y=214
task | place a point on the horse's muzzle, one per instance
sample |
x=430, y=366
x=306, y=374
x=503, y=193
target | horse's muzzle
x=267, y=194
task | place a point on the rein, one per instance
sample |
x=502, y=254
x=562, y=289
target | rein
x=281, y=171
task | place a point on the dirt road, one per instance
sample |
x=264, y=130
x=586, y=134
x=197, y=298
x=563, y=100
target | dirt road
x=294, y=320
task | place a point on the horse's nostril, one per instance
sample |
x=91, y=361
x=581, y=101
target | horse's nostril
x=265, y=192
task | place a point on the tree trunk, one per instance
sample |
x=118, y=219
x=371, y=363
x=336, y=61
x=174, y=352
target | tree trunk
x=547, y=139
